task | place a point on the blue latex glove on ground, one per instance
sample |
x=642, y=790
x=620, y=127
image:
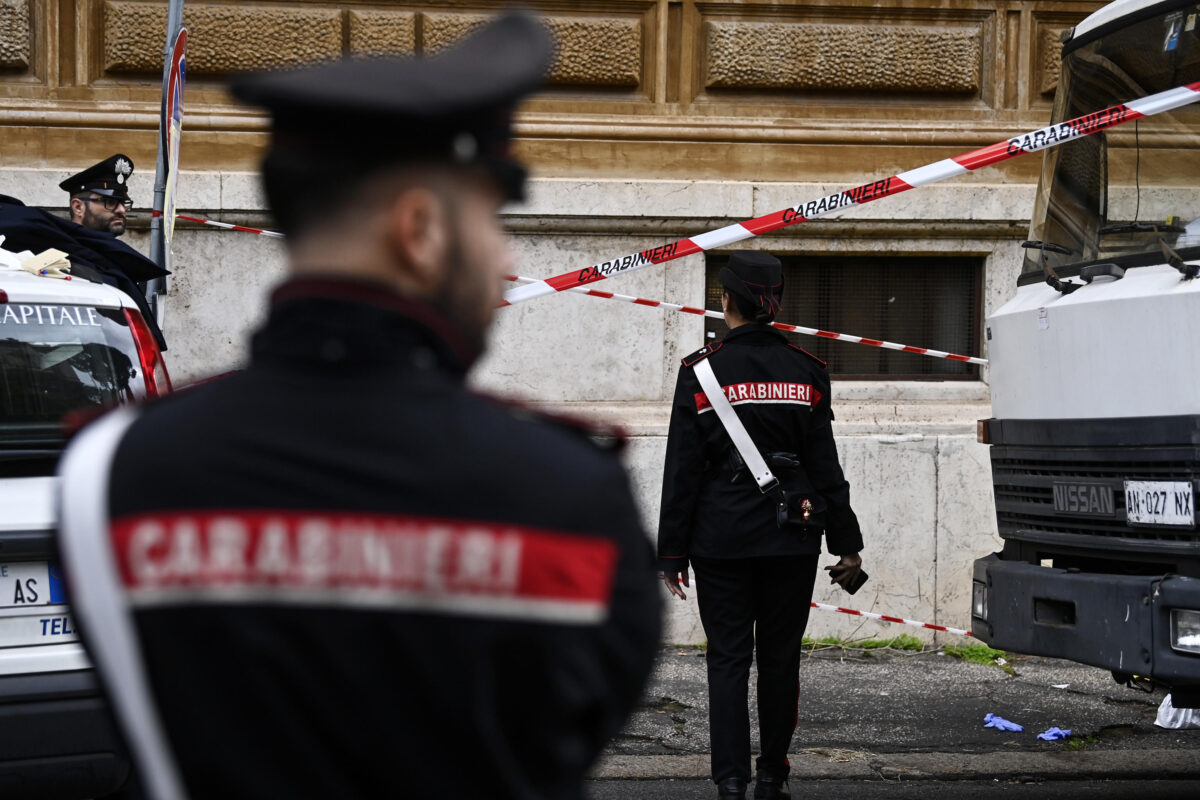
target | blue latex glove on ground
x=1053, y=734
x=1000, y=723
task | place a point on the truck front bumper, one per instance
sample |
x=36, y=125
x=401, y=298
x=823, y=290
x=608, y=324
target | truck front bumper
x=1121, y=623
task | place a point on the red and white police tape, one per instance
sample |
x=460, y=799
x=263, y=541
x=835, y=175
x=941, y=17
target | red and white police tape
x=886, y=618
x=641, y=301
x=783, y=326
x=226, y=225
x=1030, y=142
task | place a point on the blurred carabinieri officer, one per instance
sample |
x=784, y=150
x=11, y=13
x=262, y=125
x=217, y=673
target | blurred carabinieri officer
x=340, y=573
x=754, y=580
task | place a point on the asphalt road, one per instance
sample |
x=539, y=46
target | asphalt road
x=906, y=725
x=887, y=702
x=918, y=790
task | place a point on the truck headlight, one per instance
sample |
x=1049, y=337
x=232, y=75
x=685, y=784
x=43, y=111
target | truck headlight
x=979, y=602
x=1185, y=630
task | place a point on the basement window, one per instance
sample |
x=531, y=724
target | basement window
x=926, y=301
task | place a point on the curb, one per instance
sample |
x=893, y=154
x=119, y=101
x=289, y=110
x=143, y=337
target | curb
x=833, y=764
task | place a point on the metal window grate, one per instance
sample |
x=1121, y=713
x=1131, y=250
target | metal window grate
x=926, y=302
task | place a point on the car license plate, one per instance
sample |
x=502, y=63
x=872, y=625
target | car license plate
x=30, y=583
x=53, y=626
x=1159, y=503
x=32, y=605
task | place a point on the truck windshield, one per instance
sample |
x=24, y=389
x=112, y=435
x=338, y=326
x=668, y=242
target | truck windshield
x=1118, y=196
x=55, y=359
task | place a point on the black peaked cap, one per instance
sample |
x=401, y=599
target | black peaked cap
x=758, y=277
x=110, y=177
x=361, y=114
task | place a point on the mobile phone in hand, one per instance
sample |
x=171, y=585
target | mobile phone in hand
x=838, y=570
x=857, y=583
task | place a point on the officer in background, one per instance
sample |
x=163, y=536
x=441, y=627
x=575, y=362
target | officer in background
x=754, y=580
x=99, y=196
x=339, y=573
x=98, y=202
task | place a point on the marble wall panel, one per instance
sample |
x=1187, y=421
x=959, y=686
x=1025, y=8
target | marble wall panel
x=966, y=528
x=221, y=39
x=592, y=51
x=611, y=351
x=789, y=55
x=893, y=482
x=16, y=39
x=217, y=295
x=383, y=32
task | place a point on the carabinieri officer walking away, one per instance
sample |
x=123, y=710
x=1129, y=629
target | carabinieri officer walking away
x=339, y=573
x=754, y=570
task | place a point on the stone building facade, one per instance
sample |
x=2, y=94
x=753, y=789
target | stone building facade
x=663, y=119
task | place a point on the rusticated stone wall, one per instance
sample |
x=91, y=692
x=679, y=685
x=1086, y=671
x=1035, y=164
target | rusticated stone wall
x=383, y=32
x=1049, y=58
x=226, y=39
x=663, y=89
x=756, y=55
x=14, y=34
x=591, y=52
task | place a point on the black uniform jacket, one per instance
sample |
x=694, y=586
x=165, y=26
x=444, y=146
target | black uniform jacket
x=94, y=255
x=781, y=394
x=346, y=575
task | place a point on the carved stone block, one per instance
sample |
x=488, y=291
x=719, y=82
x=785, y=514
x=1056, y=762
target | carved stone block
x=15, y=38
x=597, y=52
x=383, y=33
x=442, y=30
x=789, y=55
x=220, y=38
x=591, y=51
x=1049, y=58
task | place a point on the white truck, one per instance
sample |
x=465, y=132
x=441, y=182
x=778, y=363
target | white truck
x=1095, y=376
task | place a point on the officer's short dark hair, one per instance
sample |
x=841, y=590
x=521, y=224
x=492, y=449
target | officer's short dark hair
x=749, y=311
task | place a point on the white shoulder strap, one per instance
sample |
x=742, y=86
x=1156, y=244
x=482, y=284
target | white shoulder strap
x=734, y=427
x=99, y=602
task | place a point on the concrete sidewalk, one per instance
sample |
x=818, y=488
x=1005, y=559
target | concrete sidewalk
x=867, y=715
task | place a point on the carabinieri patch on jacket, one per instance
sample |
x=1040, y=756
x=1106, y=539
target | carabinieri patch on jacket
x=339, y=560
x=773, y=392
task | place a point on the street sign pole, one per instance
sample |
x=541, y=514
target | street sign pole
x=159, y=252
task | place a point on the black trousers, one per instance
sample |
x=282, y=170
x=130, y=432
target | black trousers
x=744, y=602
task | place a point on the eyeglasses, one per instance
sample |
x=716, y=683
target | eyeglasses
x=110, y=203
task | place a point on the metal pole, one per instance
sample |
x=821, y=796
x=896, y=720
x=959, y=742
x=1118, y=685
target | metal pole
x=158, y=248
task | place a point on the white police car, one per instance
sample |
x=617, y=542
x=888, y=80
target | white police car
x=66, y=347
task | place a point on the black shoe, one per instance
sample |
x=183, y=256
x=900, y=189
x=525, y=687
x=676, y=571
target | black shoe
x=732, y=789
x=770, y=787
